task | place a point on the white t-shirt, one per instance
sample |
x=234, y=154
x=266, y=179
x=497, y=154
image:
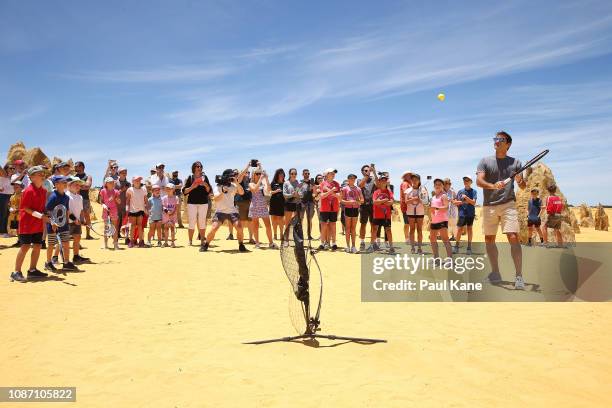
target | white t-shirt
x=75, y=204
x=137, y=202
x=226, y=205
x=155, y=180
x=5, y=186
x=411, y=208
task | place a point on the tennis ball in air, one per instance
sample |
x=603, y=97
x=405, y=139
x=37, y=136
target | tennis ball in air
x=441, y=97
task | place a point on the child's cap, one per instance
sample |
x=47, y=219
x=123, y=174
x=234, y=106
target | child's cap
x=35, y=169
x=109, y=180
x=59, y=179
x=136, y=178
x=330, y=170
x=467, y=177
x=170, y=186
x=156, y=187
x=18, y=162
x=17, y=183
x=351, y=176
x=535, y=190
x=75, y=179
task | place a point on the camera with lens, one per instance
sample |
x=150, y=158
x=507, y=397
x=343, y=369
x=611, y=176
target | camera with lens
x=226, y=178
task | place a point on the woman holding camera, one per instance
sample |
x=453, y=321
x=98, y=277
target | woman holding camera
x=259, y=186
x=197, y=189
x=277, y=202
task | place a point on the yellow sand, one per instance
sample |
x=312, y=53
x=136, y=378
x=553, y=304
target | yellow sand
x=163, y=327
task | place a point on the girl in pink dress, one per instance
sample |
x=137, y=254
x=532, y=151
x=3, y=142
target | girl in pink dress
x=169, y=205
x=439, y=219
x=109, y=197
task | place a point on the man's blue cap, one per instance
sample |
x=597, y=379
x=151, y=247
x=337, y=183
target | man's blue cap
x=59, y=179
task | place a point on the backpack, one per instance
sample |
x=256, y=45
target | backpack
x=554, y=205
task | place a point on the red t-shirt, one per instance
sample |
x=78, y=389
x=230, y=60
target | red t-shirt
x=382, y=211
x=34, y=199
x=329, y=203
x=403, y=187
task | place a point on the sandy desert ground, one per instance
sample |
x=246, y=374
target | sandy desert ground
x=164, y=327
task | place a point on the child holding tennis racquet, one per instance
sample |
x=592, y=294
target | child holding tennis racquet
x=110, y=199
x=76, y=214
x=170, y=205
x=58, y=229
x=31, y=218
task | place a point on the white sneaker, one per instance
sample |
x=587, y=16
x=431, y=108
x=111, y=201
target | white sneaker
x=257, y=246
x=354, y=250
x=519, y=283
x=347, y=250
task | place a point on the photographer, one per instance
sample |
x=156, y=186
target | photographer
x=308, y=205
x=243, y=201
x=197, y=189
x=227, y=188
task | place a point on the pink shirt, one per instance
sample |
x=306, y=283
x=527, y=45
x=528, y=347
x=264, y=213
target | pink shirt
x=169, y=204
x=108, y=198
x=351, y=193
x=439, y=214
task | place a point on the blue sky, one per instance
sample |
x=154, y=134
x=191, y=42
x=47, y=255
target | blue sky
x=312, y=84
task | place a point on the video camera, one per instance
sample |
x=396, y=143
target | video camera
x=226, y=178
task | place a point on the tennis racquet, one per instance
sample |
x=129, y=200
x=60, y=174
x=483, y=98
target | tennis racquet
x=526, y=166
x=58, y=218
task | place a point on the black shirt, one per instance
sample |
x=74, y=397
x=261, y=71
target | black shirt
x=198, y=195
x=307, y=188
x=176, y=181
x=84, y=193
x=247, y=193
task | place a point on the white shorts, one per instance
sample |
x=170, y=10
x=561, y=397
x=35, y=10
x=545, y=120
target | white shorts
x=197, y=212
x=506, y=213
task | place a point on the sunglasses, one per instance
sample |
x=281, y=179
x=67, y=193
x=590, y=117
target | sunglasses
x=198, y=167
x=293, y=174
x=499, y=139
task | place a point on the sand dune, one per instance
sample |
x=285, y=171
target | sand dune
x=163, y=327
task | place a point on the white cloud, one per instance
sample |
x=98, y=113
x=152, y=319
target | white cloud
x=162, y=74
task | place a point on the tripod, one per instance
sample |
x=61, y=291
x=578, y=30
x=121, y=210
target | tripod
x=311, y=334
x=313, y=323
